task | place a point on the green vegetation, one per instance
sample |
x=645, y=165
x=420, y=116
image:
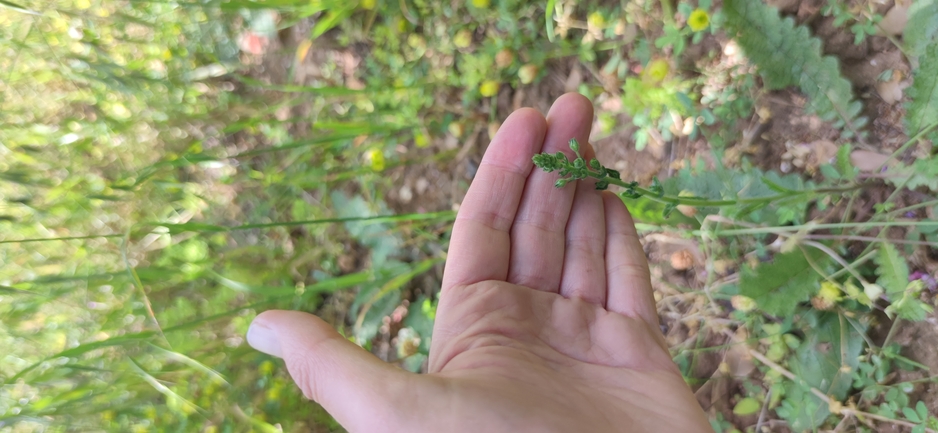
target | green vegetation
x=170, y=169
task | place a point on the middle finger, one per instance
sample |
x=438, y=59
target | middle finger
x=537, y=235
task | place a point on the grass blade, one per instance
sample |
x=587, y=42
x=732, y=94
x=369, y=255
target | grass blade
x=183, y=359
x=18, y=8
x=162, y=389
x=549, y=19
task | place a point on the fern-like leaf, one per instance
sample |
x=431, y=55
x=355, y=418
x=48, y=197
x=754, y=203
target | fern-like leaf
x=921, y=35
x=779, y=286
x=892, y=270
x=787, y=54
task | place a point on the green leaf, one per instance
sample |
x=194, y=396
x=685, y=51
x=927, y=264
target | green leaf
x=549, y=19
x=332, y=19
x=910, y=414
x=18, y=8
x=778, y=286
x=909, y=306
x=922, y=410
x=892, y=270
x=747, y=406
x=922, y=110
x=162, y=389
x=924, y=172
x=922, y=27
x=787, y=55
x=827, y=360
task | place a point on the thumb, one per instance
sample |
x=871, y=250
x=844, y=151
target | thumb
x=360, y=391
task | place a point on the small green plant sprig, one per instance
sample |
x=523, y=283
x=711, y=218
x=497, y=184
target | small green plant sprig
x=576, y=169
x=579, y=168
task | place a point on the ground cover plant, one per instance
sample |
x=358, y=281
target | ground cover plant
x=170, y=169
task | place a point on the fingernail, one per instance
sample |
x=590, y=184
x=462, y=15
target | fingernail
x=264, y=339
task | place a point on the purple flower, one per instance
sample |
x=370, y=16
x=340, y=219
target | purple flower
x=929, y=281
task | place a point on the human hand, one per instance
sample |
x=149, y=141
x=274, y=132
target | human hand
x=546, y=320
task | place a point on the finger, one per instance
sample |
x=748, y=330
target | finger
x=584, y=263
x=537, y=236
x=479, y=248
x=358, y=390
x=628, y=280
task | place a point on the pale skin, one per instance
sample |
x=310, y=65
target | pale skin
x=546, y=320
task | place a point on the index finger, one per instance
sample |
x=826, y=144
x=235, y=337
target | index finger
x=480, y=247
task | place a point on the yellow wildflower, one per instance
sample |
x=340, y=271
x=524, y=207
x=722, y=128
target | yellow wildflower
x=489, y=88
x=481, y=4
x=375, y=159
x=596, y=21
x=743, y=303
x=420, y=139
x=527, y=73
x=698, y=20
x=830, y=292
x=456, y=128
x=827, y=297
x=656, y=70
x=462, y=39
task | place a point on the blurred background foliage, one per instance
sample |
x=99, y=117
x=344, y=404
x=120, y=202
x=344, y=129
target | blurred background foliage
x=169, y=169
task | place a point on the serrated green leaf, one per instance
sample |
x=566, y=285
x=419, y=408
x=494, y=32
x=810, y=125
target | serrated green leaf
x=778, y=286
x=924, y=172
x=892, y=270
x=829, y=172
x=747, y=406
x=787, y=55
x=923, y=106
x=830, y=345
x=844, y=164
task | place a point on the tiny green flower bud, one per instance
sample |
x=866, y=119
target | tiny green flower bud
x=594, y=164
x=668, y=209
x=560, y=156
x=574, y=145
x=545, y=161
x=602, y=185
x=561, y=183
x=656, y=187
x=579, y=163
x=612, y=173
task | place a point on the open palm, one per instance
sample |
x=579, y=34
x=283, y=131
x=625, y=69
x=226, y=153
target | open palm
x=546, y=319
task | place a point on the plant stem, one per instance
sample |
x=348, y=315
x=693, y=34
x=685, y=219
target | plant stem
x=892, y=331
x=901, y=211
x=701, y=202
x=905, y=146
x=762, y=230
